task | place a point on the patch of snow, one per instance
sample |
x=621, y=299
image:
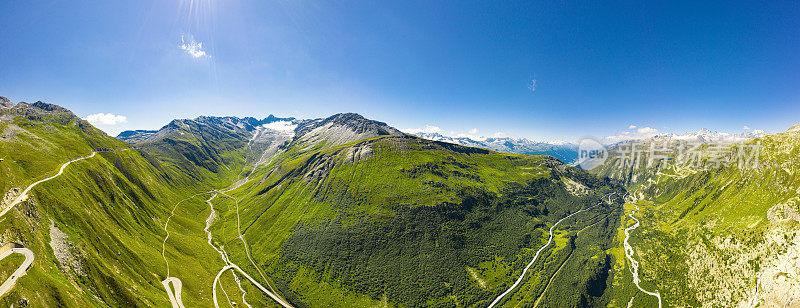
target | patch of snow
x=283, y=126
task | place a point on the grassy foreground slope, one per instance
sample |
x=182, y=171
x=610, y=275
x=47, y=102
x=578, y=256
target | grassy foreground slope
x=721, y=235
x=96, y=230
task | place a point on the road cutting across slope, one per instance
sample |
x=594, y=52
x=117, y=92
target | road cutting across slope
x=21, y=270
x=536, y=256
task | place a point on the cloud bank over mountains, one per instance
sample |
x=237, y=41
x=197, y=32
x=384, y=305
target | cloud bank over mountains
x=106, y=119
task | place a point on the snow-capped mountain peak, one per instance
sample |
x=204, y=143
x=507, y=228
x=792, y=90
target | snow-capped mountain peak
x=564, y=151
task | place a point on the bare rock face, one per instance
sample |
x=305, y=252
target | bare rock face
x=779, y=278
x=795, y=128
x=29, y=210
x=10, y=195
x=341, y=129
x=353, y=122
x=575, y=187
x=784, y=211
x=5, y=103
x=358, y=152
x=68, y=256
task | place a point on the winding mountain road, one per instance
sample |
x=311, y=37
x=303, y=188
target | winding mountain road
x=175, y=297
x=536, y=256
x=29, y=256
x=550, y=281
x=244, y=242
x=21, y=271
x=229, y=264
x=258, y=285
x=24, y=195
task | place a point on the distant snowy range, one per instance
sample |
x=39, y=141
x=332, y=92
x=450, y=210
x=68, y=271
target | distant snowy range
x=567, y=152
x=564, y=151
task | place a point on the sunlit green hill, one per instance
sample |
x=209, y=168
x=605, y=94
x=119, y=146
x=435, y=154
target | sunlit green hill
x=97, y=229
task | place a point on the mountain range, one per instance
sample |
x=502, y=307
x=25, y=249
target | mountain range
x=345, y=211
x=567, y=152
x=702, y=136
x=341, y=211
x=564, y=151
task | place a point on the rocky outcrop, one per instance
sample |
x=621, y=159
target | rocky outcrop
x=10, y=195
x=67, y=254
x=135, y=136
x=5, y=103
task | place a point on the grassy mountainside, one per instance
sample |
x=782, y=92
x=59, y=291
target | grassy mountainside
x=342, y=211
x=37, y=138
x=721, y=235
x=412, y=222
x=207, y=148
x=96, y=230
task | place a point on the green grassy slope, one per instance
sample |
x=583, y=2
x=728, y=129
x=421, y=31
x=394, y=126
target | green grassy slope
x=350, y=212
x=401, y=219
x=103, y=217
x=209, y=149
x=37, y=138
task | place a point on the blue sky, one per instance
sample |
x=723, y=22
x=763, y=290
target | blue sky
x=599, y=67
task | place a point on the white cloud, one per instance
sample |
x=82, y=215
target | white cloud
x=105, y=119
x=432, y=129
x=193, y=48
x=429, y=129
x=499, y=135
x=647, y=131
x=746, y=127
x=640, y=133
x=473, y=131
